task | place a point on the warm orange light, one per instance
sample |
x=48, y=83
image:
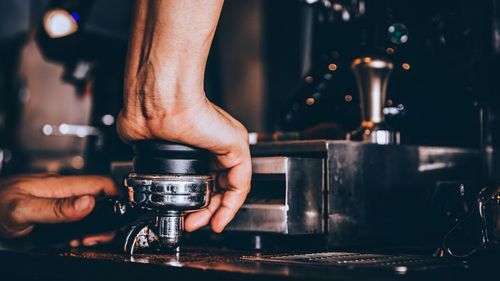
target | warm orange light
x=337, y=7
x=356, y=61
x=367, y=60
x=332, y=67
x=77, y=162
x=367, y=125
x=310, y=101
x=389, y=51
x=348, y=98
x=309, y=79
x=406, y=66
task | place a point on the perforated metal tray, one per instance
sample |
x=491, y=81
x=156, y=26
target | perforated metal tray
x=398, y=263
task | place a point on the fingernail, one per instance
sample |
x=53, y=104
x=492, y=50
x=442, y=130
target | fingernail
x=82, y=203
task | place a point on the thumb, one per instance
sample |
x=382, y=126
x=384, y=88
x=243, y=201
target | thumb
x=47, y=210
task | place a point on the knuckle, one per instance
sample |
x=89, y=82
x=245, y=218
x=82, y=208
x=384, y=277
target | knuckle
x=241, y=191
x=244, y=190
x=15, y=186
x=244, y=135
x=16, y=210
x=234, y=158
x=243, y=130
x=240, y=154
x=247, y=189
x=58, y=210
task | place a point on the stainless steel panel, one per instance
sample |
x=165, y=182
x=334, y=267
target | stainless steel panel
x=301, y=211
x=261, y=218
x=382, y=195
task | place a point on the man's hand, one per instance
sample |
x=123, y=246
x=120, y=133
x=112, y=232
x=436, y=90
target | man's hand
x=205, y=126
x=164, y=97
x=27, y=200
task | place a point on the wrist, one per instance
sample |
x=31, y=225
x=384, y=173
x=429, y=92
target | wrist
x=161, y=98
x=159, y=87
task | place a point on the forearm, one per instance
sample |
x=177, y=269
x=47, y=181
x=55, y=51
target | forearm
x=165, y=99
x=168, y=50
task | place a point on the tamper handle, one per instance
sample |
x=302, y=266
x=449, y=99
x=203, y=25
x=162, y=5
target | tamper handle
x=372, y=75
x=164, y=157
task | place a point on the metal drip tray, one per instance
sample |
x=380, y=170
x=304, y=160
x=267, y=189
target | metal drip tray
x=399, y=263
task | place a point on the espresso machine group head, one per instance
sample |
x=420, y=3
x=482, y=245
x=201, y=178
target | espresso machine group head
x=168, y=180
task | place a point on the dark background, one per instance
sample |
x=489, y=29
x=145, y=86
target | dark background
x=262, y=54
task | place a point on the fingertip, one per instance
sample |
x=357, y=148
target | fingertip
x=196, y=221
x=217, y=229
x=91, y=202
x=84, y=204
x=74, y=243
x=189, y=226
x=199, y=219
x=102, y=238
x=221, y=219
x=79, y=207
x=218, y=226
x=106, y=185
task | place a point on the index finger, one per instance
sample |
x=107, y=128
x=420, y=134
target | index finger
x=238, y=186
x=54, y=186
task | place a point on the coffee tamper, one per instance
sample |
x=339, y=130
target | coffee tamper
x=372, y=75
x=168, y=181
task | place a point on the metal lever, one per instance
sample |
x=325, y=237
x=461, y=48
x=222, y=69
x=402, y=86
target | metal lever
x=488, y=213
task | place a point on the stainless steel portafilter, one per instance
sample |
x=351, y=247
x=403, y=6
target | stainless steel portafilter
x=169, y=180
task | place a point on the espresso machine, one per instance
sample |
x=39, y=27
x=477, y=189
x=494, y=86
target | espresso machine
x=378, y=179
x=365, y=192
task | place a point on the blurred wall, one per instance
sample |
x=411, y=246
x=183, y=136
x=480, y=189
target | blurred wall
x=239, y=40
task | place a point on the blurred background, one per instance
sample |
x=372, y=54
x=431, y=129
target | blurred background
x=277, y=66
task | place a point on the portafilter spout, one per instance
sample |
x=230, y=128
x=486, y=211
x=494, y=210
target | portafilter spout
x=372, y=76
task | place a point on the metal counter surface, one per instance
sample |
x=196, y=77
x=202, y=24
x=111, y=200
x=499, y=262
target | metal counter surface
x=193, y=264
